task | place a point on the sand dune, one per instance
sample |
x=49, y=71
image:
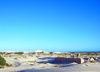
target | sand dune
x=45, y=63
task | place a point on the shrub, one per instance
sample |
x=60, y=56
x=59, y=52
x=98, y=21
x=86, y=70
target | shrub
x=96, y=54
x=33, y=53
x=1, y=52
x=2, y=61
x=89, y=53
x=45, y=62
x=42, y=67
x=63, y=65
x=16, y=59
x=56, y=66
x=10, y=56
x=20, y=53
x=8, y=65
x=93, y=62
x=87, y=65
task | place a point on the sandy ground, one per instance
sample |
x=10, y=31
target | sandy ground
x=47, y=64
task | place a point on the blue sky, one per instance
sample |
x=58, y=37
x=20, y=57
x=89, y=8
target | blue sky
x=50, y=25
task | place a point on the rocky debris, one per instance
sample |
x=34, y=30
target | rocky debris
x=78, y=55
x=91, y=59
x=73, y=56
x=95, y=58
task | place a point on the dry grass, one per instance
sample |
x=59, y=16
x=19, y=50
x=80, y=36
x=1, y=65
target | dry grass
x=1, y=66
x=9, y=65
x=93, y=62
x=45, y=62
x=86, y=65
x=56, y=66
x=42, y=67
x=63, y=65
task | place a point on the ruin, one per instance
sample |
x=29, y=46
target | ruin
x=62, y=59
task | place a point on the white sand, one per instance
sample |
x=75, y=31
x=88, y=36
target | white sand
x=44, y=64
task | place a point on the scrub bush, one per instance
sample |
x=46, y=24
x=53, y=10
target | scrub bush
x=2, y=61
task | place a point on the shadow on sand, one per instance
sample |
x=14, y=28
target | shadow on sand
x=51, y=61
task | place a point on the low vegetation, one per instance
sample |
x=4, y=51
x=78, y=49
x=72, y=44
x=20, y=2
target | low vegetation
x=93, y=62
x=16, y=59
x=42, y=67
x=19, y=53
x=86, y=65
x=45, y=62
x=2, y=61
x=56, y=66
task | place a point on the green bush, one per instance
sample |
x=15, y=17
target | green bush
x=20, y=53
x=16, y=59
x=89, y=53
x=2, y=61
x=1, y=52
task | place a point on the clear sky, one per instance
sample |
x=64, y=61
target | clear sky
x=50, y=25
